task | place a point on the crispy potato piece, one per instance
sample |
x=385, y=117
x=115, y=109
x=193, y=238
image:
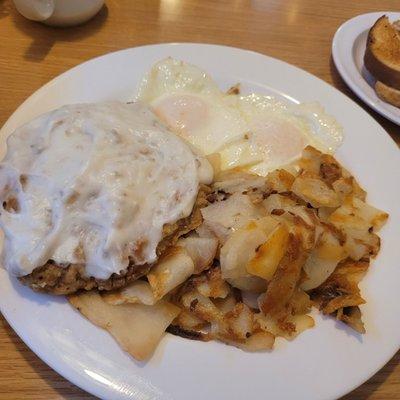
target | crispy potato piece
x=237, y=324
x=137, y=328
x=310, y=160
x=226, y=304
x=315, y=191
x=287, y=326
x=201, y=306
x=258, y=341
x=329, y=169
x=341, y=288
x=211, y=284
x=358, y=220
x=370, y=214
x=355, y=213
x=346, y=186
x=201, y=250
x=269, y=254
x=283, y=283
x=189, y=321
x=297, y=226
x=324, y=213
x=278, y=202
x=300, y=302
x=136, y=292
x=192, y=334
x=323, y=165
x=279, y=180
x=351, y=316
x=170, y=271
x=298, y=219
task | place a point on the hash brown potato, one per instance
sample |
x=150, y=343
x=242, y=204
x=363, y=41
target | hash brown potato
x=266, y=250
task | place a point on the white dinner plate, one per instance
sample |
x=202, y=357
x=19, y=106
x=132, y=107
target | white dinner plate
x=322, y=363
x=348, y=48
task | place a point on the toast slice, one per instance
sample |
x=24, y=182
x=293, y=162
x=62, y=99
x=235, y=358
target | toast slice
x=382, y=55
x=387, y=93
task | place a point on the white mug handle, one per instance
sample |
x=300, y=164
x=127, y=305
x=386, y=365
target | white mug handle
x=36, y=10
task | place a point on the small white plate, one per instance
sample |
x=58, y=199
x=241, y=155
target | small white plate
x=348, y=48
x=322, y=363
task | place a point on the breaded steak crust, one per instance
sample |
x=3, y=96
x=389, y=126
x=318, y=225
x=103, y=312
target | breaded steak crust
x=66, y=279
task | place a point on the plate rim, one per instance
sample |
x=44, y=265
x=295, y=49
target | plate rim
x=72, y=376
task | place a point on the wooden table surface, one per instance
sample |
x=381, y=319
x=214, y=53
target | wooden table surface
x=297, y=31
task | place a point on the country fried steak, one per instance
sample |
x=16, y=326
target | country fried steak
x=66, y=279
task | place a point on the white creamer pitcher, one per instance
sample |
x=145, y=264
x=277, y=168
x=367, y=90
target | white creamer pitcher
x=59, y=12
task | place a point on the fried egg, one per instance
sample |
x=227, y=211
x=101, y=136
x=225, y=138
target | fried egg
x=254, y=132
x=190, y=103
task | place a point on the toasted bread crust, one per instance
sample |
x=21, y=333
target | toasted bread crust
x=67, y=279
x=382, y=55
x=387, y=93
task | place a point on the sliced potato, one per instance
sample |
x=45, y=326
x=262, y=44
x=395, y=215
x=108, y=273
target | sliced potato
x=315, y=191
x=201, y=250
x=269, y=254
x=280, y=180
x=300, y=302
x=201, y=306
x=170, y=271
x=343, y=187
x=136, y=292
x=310, y=160
x=258, y=341
x=288, y=326
x=241, y=246
x=358, y=220
x=351, y=316
x=298, y=227
x=357, y=190
x=188, y=320
x=234, y=212
x=239, y=249
x=329, y=170
x=204, y=232
x=356, y=214
x=286, y=277
x=277, y=202
x=226, y=304
x=211, y=284
x=238, y=181
x=249, y=283
x=323, y=260
x=372, y=215
x=237, y=324
x=341, y=288
x=137, y=328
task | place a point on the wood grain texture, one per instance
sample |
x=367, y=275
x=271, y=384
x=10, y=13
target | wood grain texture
x=297, y=31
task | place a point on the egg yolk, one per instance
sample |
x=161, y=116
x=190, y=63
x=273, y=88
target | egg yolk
x=183, y=114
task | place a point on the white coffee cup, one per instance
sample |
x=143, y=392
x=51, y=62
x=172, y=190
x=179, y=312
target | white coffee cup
x=59, y=12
